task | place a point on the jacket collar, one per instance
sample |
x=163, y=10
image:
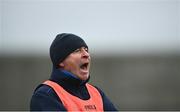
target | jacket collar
x=66, y=78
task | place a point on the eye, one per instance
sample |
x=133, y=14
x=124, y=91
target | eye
x=77, y=50
x=86, y=49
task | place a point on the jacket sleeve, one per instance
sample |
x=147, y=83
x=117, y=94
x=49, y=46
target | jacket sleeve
x=43, y=101
x=107, y=104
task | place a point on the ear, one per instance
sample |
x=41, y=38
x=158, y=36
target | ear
x=61, y=64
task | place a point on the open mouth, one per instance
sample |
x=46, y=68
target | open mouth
x=84, y=66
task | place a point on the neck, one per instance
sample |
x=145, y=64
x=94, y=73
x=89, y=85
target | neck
x=64, y=77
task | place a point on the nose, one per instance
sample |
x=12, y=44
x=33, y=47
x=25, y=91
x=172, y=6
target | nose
x=85, y=54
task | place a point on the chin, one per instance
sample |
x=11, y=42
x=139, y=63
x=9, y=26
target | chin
x=84, y=78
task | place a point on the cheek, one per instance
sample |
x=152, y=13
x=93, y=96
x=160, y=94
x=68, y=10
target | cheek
x=73, y=65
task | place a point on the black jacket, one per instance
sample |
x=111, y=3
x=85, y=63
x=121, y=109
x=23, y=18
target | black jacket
x=45, y=99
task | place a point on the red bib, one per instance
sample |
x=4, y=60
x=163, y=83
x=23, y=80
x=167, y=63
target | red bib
x=73, y=103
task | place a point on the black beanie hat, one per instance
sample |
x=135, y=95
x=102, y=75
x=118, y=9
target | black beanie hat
x=63, y=45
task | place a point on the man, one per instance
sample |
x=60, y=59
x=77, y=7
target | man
x=67, y=89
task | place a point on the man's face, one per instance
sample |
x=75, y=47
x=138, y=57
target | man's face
x=78, y=63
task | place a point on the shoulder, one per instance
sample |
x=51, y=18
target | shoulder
x=107, y=104
x=46, y=91
x=44, y=98
x=42, y=88
x=99, y=90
